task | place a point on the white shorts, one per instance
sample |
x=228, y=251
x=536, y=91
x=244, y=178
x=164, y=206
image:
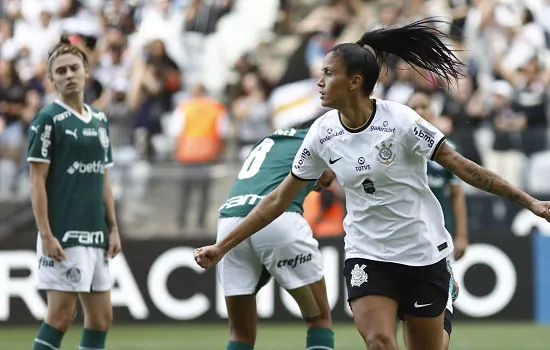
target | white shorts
x=85, y=270
x=285, y=249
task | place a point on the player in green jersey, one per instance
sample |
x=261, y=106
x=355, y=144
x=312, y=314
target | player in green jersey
x=445, y=185
x=69, y=153
x=285, y=249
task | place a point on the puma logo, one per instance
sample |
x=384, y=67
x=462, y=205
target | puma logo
x=34, y=128
x=72, y=133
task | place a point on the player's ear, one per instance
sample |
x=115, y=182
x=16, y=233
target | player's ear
x=356, y=82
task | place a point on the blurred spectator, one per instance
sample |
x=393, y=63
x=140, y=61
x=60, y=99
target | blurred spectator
x=203, y=127
x=140, y=51
x=466, y=113
x=531, y=83
x=118, y=14
x=251, y=112
x=508, y=124
x=203, y=15
x=325, y=211
x=155, y=78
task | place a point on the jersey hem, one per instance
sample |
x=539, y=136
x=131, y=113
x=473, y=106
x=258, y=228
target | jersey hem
x=84, y=245
x=370, y=257
x=109, y=165
x=38, y=160
x=243, y=215
x=436, y=148
x=300, y=178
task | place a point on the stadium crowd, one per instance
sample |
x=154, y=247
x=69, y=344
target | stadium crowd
x=153, y=73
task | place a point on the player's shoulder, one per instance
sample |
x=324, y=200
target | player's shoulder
x=326, y=123
x=402, y=114
x=48, y=114
x=98, y=114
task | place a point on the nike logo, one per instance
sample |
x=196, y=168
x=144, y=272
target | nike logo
x=334, y=161
x=418, y=306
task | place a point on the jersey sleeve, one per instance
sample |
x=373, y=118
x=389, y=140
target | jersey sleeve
x=41, y=138
x=420, y=136
x=308, y=165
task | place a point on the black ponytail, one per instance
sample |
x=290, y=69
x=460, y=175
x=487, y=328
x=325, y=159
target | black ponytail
x=419, y=44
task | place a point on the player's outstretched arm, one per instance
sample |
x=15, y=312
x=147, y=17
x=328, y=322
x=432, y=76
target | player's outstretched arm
x=270, y=208
x=488, y=181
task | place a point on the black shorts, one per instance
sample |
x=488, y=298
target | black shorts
x=420, y=291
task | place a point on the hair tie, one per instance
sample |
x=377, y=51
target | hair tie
x=367, y=47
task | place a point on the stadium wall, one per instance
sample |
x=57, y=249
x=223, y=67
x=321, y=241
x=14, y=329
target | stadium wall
x=502, y=276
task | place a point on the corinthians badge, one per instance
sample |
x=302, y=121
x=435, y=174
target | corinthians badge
x=385, y=154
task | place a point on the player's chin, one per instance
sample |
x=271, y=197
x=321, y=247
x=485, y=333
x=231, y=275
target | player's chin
x=325, y=102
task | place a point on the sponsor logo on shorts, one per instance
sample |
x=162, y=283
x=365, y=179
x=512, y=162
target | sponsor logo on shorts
x=358, y=275
x=298, y=260
x=73, y=274
x=84, y=237
x=45, y=262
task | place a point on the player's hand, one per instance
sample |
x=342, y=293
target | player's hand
x=208, y=256
x=52, y=248
x=541, y=209
x=460, y=243
x=114, y=243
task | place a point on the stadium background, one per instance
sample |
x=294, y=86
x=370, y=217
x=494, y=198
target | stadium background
x=260, y=59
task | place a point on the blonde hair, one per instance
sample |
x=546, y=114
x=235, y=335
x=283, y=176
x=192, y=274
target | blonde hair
x=64, y=46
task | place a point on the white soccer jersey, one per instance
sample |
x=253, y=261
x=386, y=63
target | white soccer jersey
x=392, y=214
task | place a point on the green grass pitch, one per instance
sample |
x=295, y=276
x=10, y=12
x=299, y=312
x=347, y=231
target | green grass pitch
x=466, y=336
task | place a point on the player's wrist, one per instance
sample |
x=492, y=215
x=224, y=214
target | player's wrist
x=46, y=235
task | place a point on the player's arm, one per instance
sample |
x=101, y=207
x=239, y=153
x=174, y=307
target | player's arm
x=41, y=138
x=38, y=172
x=270, y=208
x=110, y=217
x=325, y=180
x=428, y=141
x=479, y=177
x=109, y=202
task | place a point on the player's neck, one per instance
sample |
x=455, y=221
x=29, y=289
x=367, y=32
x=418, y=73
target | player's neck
x=357, y=112
x=76, y=102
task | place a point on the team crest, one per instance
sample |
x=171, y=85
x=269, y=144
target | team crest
x=73, y=274
x=358, y=275
x=385, y=154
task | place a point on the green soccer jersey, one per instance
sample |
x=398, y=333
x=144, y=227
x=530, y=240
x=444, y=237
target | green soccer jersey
x=78, y=150
x=439, y=180
x=267, y=165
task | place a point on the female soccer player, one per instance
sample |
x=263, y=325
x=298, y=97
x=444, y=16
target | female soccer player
x=69, y=153
x=285, y=249
x=396, y=243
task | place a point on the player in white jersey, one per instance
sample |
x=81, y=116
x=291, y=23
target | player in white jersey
x=69, y=153
x=396, y=243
